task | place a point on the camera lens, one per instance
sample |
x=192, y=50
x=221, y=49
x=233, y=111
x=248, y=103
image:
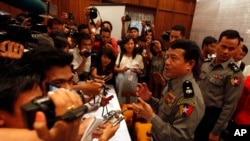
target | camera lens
x=85, y=53
x=127, y=18
x=92, y=12
x=148, y=23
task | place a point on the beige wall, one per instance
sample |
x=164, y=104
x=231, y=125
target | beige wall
x=211, y=17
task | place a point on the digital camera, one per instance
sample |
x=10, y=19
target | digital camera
x=85, y=53
x=148, y=23
x=92, y=12
x=166, y=35
x=152, y=43
x=127, y=18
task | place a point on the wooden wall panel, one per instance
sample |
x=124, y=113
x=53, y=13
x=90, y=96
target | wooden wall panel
x=144, y=2
x=123, y=1
x=140, y=10
x=149, y=3
x=82, y=5
x=153, y=3
x=192, y=7
x=63, y=6
x=166, y=4
x=74, y=7
x=182, y=6
x=180, y=19
x=164, y=22
x=77, y=7
x=135, y=2
x=189, y=26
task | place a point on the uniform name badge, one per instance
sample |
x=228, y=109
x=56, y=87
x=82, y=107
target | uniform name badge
x=170, y=99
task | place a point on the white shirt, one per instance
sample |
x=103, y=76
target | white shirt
x=246, y=71
x=238, y=63
x=129, y=62
x=78, y=59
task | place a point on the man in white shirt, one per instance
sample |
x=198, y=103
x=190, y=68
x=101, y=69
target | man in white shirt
x=83, y=56
x=239, y=54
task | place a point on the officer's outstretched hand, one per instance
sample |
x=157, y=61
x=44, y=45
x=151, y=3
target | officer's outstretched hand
x=143, y=109
x=143, y=91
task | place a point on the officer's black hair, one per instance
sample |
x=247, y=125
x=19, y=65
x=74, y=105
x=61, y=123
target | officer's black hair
x=230, y=34
x=192, y=50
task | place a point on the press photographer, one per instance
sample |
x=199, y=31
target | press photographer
x=70, y=24
x=84, y=57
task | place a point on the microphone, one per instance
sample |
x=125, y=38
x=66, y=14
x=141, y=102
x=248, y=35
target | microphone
x=80, y=111
x=46, y=105
x=32, y=6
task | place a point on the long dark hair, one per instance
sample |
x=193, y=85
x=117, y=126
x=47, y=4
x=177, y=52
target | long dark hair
x=153, y=44
x=123, y=50
x=110, y=54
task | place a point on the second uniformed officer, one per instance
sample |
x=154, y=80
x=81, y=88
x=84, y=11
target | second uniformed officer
x=181, y=106
x=221, y=82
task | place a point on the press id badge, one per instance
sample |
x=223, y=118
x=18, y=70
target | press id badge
x=130, y=76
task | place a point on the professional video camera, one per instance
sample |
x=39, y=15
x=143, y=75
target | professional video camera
x=46, y=105
x=87, y=53
x=12, y=29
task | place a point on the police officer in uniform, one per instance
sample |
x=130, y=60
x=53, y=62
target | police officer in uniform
x=176, y=114
x=221, y=82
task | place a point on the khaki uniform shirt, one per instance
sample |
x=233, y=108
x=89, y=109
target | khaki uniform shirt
x=177, y=116
x=221, y=87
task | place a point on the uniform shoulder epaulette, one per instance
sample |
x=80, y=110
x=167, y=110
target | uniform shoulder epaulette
x=188, y=89
x=233, y=67
x=208, y=59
